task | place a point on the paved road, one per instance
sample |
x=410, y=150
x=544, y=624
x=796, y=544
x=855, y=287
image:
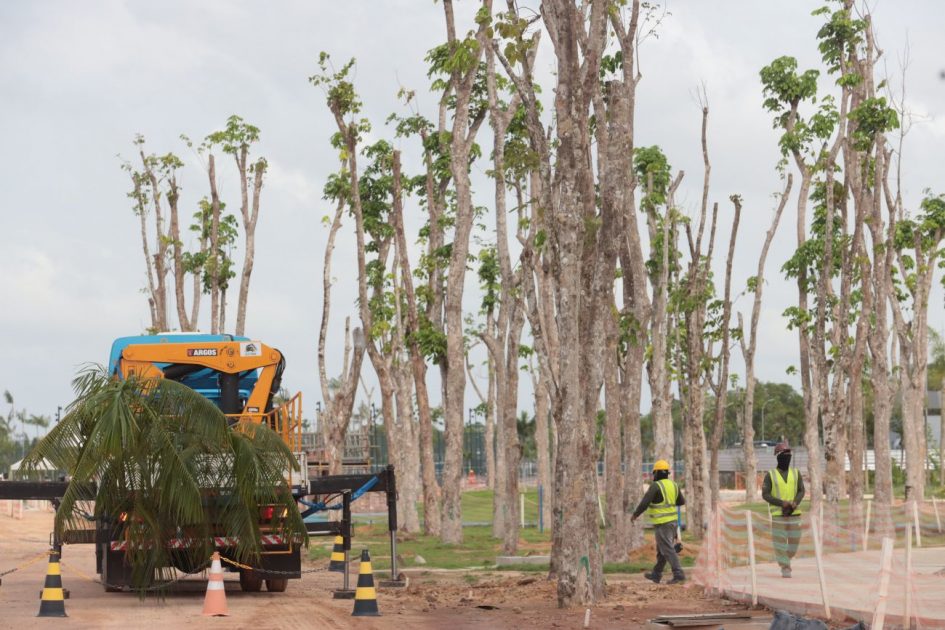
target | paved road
x=305, y=604
x=852, y=581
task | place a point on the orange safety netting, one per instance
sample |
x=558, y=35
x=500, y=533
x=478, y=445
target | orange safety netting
x=878, y=564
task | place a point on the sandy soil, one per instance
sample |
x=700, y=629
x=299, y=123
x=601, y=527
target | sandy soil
x=454, y=600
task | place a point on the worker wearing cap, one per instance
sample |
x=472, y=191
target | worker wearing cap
x=783, y=489
x=660, y=503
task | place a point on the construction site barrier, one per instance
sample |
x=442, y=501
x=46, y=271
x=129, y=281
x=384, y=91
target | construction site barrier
x=880, y=564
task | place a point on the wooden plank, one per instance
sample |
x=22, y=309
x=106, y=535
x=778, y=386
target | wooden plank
x=712, y=622
x=698, y=620
x=907, y=612
x=866, y=532
x=751, y=558
x=718, y=548
x=879, y=613
x=814, y=529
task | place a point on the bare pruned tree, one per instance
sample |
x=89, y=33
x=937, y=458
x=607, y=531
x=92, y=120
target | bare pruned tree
x=748, y=342
x=236, y=139
x=339, y=401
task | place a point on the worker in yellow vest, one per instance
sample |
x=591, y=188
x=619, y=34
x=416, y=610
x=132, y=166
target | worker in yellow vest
x=660, y=503
x=783, y=489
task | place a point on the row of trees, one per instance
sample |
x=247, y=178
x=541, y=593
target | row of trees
x=156, y=200
x=591, y=277
x=16, y=426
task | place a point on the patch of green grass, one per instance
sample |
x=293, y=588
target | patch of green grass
x=479, y=548
x=477, y=506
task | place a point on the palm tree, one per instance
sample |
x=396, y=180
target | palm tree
x=165, y=464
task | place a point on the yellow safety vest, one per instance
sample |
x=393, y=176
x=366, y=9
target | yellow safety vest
x=664, y=512
x=782, y=489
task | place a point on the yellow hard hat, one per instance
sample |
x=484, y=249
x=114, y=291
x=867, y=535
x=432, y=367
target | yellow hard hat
x=661, y=464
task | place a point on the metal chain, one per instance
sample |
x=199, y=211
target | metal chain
x=35, y=559
x=155, y=587
x=246, y=567
x=162, y=585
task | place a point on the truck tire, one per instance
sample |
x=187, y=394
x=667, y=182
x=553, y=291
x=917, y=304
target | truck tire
x=113, y=572
x=250, y=582
x=277, y=585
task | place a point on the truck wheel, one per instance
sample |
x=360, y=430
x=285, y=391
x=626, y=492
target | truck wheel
x=277, y=585
x=250, y=582
x=112, y=570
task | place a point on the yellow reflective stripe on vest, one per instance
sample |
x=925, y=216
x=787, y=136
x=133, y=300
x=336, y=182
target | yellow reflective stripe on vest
x=664, y=512
x=785, y=490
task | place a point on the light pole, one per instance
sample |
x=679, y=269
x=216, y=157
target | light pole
x=765, y=404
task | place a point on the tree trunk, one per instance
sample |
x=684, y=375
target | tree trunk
x=431, y=488
x=250, y=217
x=615, y=531
x=198, y=273
x=695, y=445
x=509, y=416
x=160, y=257
x=173, y=195
x=749, y=349
x=501, y=502
x=215, y=306
x=490, y=435
x=857, y=454
x=338, y=404
x=721, y=394
x=462, y=137
x=141, y=209
x=809, y=380
x=408, y=477
x=542, y=445
x=748, y=441
x=631, y=384
x=395, y=451
x=913, y=439
x=222, y=325
x=941, y=433
x=571, y=215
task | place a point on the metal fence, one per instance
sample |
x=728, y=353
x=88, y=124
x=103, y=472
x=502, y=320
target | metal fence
x=366, y=451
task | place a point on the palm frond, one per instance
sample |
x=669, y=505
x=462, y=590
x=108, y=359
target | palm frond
x=165, y=464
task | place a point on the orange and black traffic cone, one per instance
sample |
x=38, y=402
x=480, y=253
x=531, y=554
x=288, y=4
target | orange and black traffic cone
x=53, y=598
x=214, y=604
x=365, y=597
x=337, y=562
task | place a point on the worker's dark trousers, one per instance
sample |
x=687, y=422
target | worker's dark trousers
x=786, y=536
x=665, y=552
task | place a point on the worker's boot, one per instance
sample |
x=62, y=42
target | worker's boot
x=653, y=577
x=677, y=579
x=785, y=572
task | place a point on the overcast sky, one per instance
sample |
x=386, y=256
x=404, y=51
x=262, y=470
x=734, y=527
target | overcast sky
x=79, y=79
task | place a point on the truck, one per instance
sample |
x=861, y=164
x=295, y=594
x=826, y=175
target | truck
x=243, y=378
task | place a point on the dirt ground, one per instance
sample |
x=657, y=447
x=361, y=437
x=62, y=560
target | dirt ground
x=434, y=599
